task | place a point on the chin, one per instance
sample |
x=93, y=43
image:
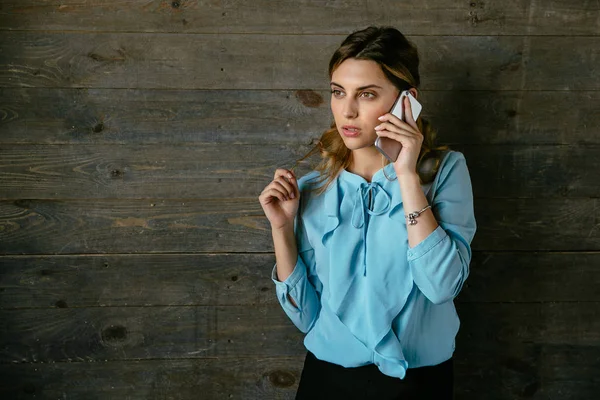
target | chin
x=356, y=144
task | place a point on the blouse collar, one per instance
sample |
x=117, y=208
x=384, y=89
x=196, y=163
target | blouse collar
x=379, y=176
x=362, y=188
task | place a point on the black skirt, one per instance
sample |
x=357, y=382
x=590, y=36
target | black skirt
x=324, y=380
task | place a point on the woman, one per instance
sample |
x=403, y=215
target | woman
x=370, y=285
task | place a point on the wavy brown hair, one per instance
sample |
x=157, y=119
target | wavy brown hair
x=399, y=61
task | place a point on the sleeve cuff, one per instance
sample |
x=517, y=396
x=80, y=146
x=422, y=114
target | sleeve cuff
x=294, y=277
x=427, y=244
x=283, y=288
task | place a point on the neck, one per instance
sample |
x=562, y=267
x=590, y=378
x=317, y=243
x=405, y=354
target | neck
x=365, y=162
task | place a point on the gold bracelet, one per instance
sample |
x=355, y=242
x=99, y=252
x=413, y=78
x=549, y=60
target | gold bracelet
x=411, y=216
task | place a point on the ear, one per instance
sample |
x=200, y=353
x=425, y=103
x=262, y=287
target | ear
x=414, y=92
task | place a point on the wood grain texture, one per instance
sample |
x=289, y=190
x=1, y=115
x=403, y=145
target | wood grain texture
x=234, y=171
x=545, y=323
x=126, y=333
x=136, y=136
x=96, y=116
x=140, y=226
x=129, y=333
x=532, y=277
x=515, y=17
x=186, y=61
x=289, y=117
x=136, y=280
x=244, y=279
x=520, y=371
x=522, y=349
x=239, y=225
x=205, y=378
x=526, y=370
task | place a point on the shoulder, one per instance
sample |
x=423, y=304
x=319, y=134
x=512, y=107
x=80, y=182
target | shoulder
x=314, y=203
x=453, y=173
x=450, y=162
x=308, y=181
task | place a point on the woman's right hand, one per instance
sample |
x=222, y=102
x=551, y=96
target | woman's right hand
x=280, y=199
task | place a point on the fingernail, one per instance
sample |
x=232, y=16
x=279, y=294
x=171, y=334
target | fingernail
x=293, y=196
x=381, y=118
x=378, y=127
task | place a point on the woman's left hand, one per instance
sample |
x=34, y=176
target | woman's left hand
x=406, y=133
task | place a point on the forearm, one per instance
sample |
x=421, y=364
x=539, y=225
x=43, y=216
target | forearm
x=414, y=199
x=286, y=253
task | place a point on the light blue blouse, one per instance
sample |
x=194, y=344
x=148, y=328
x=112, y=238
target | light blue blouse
x=363, y=295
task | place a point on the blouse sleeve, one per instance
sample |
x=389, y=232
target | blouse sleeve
x=440, y=263
x=303, y=285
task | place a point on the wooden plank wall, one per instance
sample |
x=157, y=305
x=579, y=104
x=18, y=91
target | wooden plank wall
x=136, y=136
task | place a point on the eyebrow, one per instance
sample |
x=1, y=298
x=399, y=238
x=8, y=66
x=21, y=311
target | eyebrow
x=360, y=88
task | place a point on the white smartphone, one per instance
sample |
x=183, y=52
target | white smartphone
x=390, y=148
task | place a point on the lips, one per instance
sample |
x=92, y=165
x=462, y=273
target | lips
x=350, y=131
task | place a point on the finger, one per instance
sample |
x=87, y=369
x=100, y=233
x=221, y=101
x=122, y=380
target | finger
x=287, y=188
x=400, y=136
x=408, y=114
x=389, y=120
x=389, y=117
x=396, y=128
x=274, y=193
x=283, y=172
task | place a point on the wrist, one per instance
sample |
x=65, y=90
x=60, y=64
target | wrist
x=283, y=229
x=408, y=176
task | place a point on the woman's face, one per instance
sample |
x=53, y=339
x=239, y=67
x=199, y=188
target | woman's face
x=360, y=93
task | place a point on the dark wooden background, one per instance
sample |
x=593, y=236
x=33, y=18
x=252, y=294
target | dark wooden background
x=135, y=138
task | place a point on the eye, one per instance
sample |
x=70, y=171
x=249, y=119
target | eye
x=336, y=92
x=368, y=95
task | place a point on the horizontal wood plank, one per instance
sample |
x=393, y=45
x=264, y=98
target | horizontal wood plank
x=532, y=371
x=103, y=116
x=510, y=277
x=115, y=116
x=206, y=378
x=500, y=371
x=516, y=17
x=103, y=334
x=226, y=171
x=552, y=323
x=197, y=61
x=239, y=225
x=125, y=333
x=244, y=279
x=137, y=280
x=186, y=61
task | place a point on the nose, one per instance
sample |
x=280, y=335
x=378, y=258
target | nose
x=350, y=109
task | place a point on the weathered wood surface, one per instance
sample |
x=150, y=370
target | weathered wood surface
x=516, y=17
x=288, y=117
x=533, y=277
x=521, y=349
x=244, y=279
x=136, y=280
x=201, y=378
x=198, y=61
x=125, y=333
x=232, y=171
x=239, y=225
x=538, y=372
x=526, y=371
x=135, y=135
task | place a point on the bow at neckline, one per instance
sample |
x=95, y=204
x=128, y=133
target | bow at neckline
x=365, y=203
